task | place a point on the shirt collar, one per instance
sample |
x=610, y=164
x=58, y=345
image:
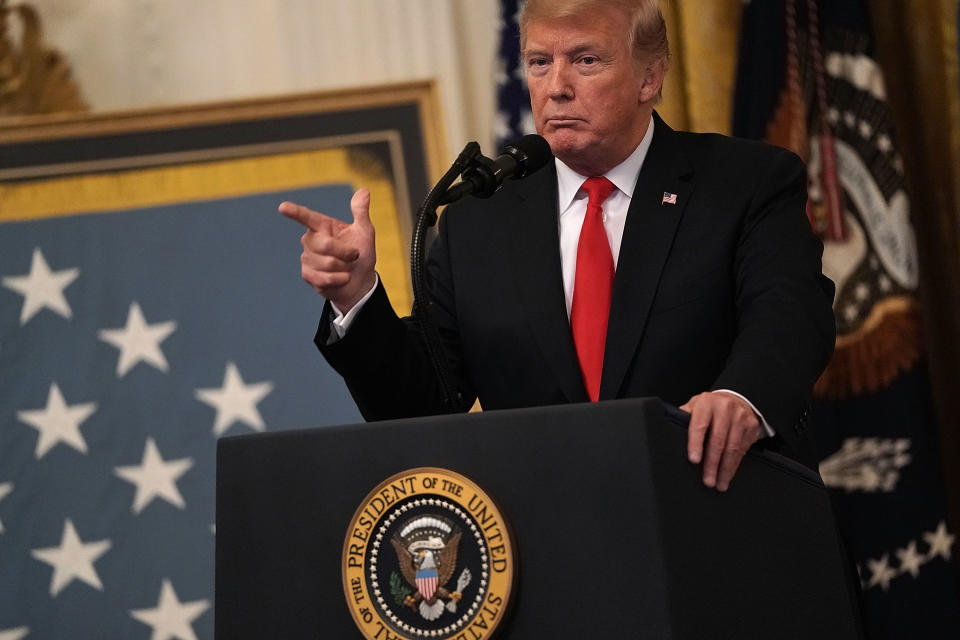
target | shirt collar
x=623, y=176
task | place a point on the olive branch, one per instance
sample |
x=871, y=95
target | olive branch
x=398, y=588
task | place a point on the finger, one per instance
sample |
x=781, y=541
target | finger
x=325, y=263
x=360, y=207
x=323, y=281
x=307, y=217
x=719, y=430
x=697, y=430
x=744, y=431
x=324, y=244
x=733, y=453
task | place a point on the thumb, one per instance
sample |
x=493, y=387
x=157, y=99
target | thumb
x=360, y=208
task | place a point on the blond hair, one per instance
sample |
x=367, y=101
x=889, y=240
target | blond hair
x=647, y=34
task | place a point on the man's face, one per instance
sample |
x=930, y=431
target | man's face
x=588, y=94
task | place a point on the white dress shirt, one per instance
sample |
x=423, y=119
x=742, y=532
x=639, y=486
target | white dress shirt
x=573, y=208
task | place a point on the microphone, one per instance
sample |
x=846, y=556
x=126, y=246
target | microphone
x=484, y=176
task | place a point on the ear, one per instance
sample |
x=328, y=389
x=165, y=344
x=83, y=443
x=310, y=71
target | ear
x=652, y=81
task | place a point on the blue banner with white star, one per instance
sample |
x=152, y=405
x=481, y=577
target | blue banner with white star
x=129, y=341
x=514, y=118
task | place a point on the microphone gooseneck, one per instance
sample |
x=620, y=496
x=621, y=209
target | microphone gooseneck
x=481, y=177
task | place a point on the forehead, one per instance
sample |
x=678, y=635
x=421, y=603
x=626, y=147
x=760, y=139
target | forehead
x=604, y=27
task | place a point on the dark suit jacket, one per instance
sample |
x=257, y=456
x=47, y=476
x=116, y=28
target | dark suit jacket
x=721, y=290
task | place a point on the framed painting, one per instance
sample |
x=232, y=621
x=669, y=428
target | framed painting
x=151, y=302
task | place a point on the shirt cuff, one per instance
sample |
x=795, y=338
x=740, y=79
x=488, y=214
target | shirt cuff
x=340, y=322
x=765, y=431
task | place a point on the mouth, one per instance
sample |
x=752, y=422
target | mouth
x=563, y=121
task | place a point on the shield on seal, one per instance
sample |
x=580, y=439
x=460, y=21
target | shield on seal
x=427, y=582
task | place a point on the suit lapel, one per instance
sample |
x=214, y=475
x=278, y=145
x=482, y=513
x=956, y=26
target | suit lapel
x=536, y=257
x=647, y=239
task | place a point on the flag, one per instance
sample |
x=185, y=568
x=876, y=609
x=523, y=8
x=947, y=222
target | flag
x=513, y=118
x=130, y=340
x=807, y=80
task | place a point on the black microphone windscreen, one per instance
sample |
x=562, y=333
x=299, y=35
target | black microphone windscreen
x=536, y=151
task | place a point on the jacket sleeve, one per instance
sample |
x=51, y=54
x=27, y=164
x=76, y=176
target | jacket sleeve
x=785, y=323
x=383, y=358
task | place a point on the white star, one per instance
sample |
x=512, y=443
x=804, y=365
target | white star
x=940, y=542
x=155, y=478
x=500, y=71
x=5, y=490
x=520, y=72
x=171, y=618
x=14, y=634
x=910, y=560
x=833, y=115
x=865, y=129
x=139, y=341
x=72, y=559
x=881, y=573
x=58, y=422
x=884, y=143
x=849, y=118
x=501, y=125
x=862, y=291
x=527, y=124
x=235, y=401
x=884, y=283
x=850, y=312
x=42, y=288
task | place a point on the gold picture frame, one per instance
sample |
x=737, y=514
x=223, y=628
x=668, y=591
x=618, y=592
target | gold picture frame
x=387, y=138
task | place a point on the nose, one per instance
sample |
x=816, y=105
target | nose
x=560, y=86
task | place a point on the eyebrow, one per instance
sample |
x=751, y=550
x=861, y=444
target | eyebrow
x=581, y=48
x=570, y=53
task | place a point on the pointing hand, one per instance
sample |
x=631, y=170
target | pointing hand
x=338, y=259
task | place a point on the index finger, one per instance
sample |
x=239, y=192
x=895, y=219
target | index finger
x=307, y=217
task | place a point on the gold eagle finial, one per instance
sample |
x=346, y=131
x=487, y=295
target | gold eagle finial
x=33, y=77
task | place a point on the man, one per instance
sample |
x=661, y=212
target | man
x=717, y=301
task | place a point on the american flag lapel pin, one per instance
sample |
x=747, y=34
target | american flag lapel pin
x=669, y=198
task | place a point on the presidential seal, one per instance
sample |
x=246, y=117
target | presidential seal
x=428, y=555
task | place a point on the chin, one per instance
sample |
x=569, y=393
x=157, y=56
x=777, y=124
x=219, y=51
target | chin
x=566, y=146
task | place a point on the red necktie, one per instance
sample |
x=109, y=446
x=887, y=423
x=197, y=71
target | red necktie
x=593, y=287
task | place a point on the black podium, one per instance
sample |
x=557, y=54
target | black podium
x=615, y=534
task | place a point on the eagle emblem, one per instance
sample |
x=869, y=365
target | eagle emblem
x=426, y=548
x=428, y=555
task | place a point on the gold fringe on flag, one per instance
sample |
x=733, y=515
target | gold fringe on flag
x=887, y=343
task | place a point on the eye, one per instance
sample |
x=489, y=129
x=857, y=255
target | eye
x=538, y=66
x=589, y=60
